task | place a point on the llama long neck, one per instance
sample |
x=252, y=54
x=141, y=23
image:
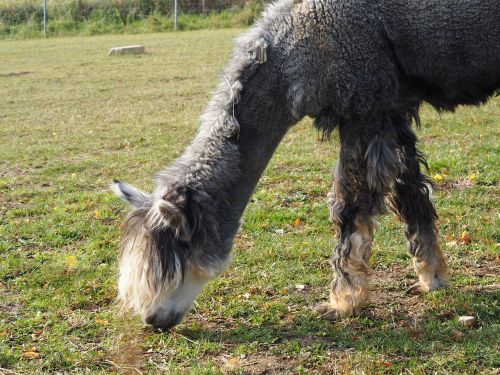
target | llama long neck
x=244, y=123
x=263, y=121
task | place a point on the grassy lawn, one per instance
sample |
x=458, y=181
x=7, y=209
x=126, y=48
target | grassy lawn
x=72, y=119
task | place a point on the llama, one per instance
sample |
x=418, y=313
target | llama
x=361, y=67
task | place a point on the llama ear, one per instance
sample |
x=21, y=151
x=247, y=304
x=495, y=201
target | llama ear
x=165, y=214
x=188, y=213
x=168, y=211
x=137, y=198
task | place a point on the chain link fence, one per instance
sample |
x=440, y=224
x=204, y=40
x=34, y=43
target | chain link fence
x=28, y=18
x=206, y=6
x=15, y=12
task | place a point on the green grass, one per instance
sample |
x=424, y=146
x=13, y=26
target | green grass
x=72, y=119
x=154, y=23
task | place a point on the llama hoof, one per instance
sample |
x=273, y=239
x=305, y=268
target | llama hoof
x=429, y=284
x=425, y=286
x=414, y=289
x=325, y=311
x=330, y=315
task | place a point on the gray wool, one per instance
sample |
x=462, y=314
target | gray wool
x=338, y=62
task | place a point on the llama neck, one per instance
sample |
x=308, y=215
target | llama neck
x=233, y=147
x=262, y=124
x=241, y=128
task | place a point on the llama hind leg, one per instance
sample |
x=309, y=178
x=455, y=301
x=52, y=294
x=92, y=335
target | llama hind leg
x=410, y=199
x=415, y=208
x=428, y=260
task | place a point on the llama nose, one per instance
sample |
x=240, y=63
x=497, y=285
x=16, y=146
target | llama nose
x=164, y=323
x=150, y=319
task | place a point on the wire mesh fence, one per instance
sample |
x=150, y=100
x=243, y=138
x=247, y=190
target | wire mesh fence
x=18, y=11
x=206, y=6
x=65, y=16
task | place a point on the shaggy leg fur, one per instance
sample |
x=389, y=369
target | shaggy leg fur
x=409, y=198
x=368, y=164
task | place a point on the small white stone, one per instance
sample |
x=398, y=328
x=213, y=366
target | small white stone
x=130, y=50
x=466, y=320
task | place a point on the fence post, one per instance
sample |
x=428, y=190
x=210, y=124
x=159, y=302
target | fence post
x=175, y=15
x=45, y=17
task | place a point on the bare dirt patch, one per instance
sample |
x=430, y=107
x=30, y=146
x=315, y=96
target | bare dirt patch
x=389, y=300
x=128, y=357
x=258, y=364
x=461, y=184
x=388, y=297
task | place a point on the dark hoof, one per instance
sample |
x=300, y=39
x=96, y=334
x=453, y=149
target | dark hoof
x=414, y=289
x=324, y=311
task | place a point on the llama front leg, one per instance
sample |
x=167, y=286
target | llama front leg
x=367, y=167
x=350, y=286
x=410, y=199
x=357, y=197
x=353, y=209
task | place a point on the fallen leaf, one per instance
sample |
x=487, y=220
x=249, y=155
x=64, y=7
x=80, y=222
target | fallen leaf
x=465, y=237
x=102, y=322
x=438, y=177
x=457, y=334
x=416, y=334
x=71, y=262
x=233, y=363
x=36, y=334
x=451, y=244
x=254, y=289
x=291, y=318
x=32, y=353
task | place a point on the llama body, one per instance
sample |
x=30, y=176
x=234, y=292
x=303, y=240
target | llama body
x=362, y=67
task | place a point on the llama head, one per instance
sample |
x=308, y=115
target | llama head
x=161, y=272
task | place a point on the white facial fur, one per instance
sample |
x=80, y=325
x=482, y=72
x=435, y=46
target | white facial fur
x=167, y=305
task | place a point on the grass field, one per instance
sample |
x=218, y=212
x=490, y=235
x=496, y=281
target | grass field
x=72, y=119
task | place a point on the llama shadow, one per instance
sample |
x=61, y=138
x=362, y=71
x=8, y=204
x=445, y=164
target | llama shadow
x=409, y=329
